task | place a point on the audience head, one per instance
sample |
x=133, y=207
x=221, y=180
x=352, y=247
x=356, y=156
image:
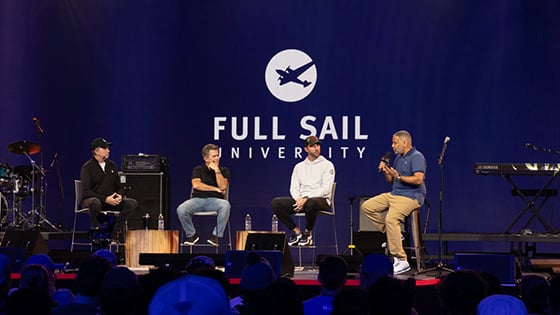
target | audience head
x=29, y=301
x=350, y=301
x=492, y=281
x=373, y=267
x=501, y=304
x=120, y=292
x=36, y=277
x=199, y=264
x=282, y=297
x=390, y=296
x=257, y=274
x=5, y=275
x=90, y=275
x=43, y=260
x=533, y=291
x=190, y=294
x=554, y=295
x=219, y=276
x=332, y=272
x=107, y=255
x=461, y=291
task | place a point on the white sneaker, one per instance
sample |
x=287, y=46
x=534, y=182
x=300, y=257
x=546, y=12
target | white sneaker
x=400, y=266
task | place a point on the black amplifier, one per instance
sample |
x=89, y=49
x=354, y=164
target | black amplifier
x=144, y=163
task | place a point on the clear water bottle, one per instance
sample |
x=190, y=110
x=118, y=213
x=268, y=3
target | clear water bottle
x=248, y=222
x=160, y=222
x=274, y=223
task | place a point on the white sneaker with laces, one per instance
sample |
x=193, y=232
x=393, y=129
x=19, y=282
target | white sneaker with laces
x=400, y=266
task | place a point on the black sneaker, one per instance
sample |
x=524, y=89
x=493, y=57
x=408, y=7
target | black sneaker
x=213, y=240
x=306, y=240
x=294, y=239
x=191, y=240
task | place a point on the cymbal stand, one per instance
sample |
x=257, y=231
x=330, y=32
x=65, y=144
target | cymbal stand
x=36, y=216
x=18, y=219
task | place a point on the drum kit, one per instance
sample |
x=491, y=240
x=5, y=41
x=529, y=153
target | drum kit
x=16, y=184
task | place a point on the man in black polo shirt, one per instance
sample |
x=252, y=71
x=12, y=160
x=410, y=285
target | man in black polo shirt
x=102, y=189
x=209, y=182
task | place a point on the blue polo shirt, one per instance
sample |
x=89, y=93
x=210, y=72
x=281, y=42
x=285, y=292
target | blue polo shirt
x=407, y=165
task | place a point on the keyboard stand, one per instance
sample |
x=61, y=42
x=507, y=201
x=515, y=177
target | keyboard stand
x=530, y=203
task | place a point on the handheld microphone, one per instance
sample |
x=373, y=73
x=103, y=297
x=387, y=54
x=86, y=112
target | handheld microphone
x=530, y=146
x=385, y=159
x=445, y=142
x=54, y=159
x=38, y=124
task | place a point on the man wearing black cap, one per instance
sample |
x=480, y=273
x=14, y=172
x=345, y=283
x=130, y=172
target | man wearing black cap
x=102, y=189
x=310, y=190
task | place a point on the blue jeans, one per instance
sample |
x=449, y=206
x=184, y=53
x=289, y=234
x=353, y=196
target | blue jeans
x=193, y=205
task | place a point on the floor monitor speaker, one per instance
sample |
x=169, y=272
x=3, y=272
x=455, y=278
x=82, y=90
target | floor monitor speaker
x=31, y=241
x=272, y=242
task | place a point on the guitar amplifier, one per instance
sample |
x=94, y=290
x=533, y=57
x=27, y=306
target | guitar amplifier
x=142, y=163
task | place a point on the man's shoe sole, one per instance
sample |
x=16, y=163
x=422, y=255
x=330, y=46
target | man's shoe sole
x=294, y=243
x=192, y=243
x=401, y=271
x=213, y=243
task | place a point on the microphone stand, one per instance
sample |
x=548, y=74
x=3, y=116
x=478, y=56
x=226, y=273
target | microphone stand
x=440, y=265
x=351, y=247
x=60, y=226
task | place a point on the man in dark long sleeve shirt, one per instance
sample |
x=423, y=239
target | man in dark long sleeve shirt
x=101, y=186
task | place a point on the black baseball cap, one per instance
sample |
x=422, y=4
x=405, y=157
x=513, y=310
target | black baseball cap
x=100, y=143
x=311, y=140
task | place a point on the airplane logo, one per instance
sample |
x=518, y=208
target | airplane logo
x=289, y=75
x=301, y=72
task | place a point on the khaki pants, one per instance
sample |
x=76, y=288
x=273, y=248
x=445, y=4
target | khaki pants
x=398, y=208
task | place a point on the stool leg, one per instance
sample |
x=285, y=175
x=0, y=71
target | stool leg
x=417, y=239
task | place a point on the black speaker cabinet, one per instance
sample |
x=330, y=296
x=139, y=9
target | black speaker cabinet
x=369, y=242
x=31, y=241
x=364, y=223
x=272, y=242
x=151, y=191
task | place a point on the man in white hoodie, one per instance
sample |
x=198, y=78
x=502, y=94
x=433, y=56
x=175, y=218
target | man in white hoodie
x=310, y=190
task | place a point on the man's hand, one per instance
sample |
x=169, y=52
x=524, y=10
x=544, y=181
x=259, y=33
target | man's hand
x=298, y=206
x=114, y=199
x=214, y=166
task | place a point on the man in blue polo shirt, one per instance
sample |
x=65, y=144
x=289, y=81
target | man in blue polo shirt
x=408, y=193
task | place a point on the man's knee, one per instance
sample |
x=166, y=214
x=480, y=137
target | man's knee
x=275, y=203
x=225, y=206
x=93, y=203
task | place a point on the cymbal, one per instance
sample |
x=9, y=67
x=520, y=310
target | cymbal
x=22, y=147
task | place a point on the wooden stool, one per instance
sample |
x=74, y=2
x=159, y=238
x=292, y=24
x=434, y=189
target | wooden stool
x=417, y=244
